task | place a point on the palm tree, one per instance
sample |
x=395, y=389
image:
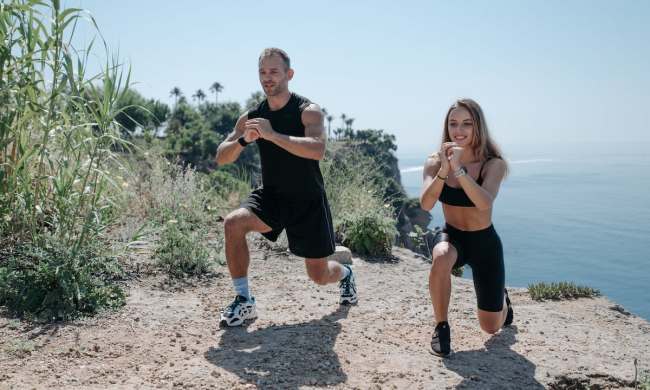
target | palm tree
x=343, y=119
x=216, y=87
x=329, y=125
x=348, y=123
x=176, y=93
x=326, y=115
x=199, y=95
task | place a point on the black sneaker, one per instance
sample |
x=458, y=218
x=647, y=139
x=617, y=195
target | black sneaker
x=441, y=340
x=348, y=289
x=511, y=315
x=240, y=310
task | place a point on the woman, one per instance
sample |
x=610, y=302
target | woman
x=465, y=176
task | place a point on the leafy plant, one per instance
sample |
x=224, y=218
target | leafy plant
x=371, y=234
x=181, y=251
x=562, y=290
x=51, y=281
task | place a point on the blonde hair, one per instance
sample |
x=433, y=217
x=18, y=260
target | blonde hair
x=483, y=146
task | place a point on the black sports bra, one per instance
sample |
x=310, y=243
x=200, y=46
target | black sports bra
x=457, y=196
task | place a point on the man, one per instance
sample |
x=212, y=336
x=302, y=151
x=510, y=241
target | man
x=290, y=135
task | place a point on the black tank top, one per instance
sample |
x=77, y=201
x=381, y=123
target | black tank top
x=284, y=172
x=456, y=196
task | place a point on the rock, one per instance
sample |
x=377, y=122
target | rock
x=342, y=255
x=620, y=309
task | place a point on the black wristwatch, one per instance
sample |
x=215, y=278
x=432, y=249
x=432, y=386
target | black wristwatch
x=242, y=141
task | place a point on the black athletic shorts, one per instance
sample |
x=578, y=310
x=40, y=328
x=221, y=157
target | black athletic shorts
x=481, y=250
x=307, y=219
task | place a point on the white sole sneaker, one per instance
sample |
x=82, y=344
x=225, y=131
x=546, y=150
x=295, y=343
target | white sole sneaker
x=238, y=312
x=349, y=297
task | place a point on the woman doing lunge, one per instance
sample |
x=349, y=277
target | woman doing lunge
x=465, y=175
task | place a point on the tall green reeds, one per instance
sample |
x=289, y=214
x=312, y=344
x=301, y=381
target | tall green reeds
x=57, y=136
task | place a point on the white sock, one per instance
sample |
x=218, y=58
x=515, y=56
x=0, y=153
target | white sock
x=241, y=287
x=346, y=272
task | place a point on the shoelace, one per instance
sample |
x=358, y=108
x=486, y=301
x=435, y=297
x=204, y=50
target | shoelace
x=233, y=305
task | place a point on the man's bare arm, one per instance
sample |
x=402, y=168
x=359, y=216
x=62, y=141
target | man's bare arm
x=229, y=150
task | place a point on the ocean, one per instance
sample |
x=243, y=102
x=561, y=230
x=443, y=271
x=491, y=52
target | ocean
x=566, y=217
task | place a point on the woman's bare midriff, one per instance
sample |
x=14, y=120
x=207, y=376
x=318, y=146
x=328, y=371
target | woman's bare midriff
x=467, y=218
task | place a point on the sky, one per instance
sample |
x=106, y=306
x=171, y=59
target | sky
x=550, y=75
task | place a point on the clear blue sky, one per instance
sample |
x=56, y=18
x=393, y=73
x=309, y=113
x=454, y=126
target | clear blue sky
x=547, y=73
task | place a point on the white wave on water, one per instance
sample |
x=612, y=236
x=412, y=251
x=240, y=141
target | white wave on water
x=529, y=161
x=411, y=169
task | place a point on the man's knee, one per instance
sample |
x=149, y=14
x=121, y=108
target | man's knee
x=235, y=223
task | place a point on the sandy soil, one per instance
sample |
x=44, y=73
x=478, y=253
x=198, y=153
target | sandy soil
x=167, y=337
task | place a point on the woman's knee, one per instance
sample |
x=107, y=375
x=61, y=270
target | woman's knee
x=490, y=322
x=317, y=271
x=443, y=258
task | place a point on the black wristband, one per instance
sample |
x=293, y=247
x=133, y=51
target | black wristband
x=242, y=141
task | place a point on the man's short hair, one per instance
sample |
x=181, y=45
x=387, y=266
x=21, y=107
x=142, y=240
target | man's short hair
x=274, y=51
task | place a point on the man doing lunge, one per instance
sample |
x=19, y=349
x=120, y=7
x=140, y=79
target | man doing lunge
x=290, y=135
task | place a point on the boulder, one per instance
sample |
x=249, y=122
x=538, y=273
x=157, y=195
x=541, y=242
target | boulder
x=342, y=255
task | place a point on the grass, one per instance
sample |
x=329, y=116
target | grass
x=20, y=348
x=561, y=290
x=179, y=209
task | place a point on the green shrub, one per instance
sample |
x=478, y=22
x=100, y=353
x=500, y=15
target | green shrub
x=363, y=220
x=181, y=251
x=53, y=282
x=179, y=206
x=562, y=290
x=230, y=186
x=371, y=234
x=644, y=383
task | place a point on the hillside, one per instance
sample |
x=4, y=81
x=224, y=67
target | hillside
x=167, y=337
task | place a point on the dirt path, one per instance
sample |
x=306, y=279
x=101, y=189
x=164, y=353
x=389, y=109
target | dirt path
x=167, y=338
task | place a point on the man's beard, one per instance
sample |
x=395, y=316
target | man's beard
x=274, y=91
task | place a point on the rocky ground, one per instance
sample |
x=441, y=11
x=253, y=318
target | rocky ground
x=167, y=337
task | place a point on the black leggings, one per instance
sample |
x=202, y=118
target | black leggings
x=481, y=250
